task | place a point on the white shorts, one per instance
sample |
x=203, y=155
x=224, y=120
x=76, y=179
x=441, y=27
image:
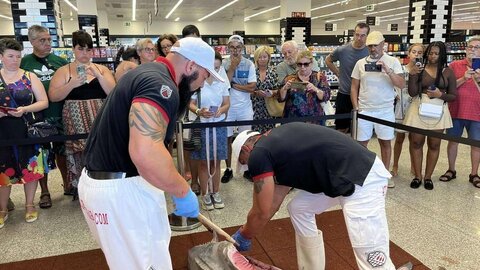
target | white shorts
x=243, y=114
x=128, y=219
x=365, y=128
x=364, y=214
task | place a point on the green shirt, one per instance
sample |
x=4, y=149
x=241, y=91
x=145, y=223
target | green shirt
x=44, y=71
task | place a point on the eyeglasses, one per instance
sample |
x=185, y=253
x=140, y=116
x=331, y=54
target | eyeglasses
x=471, y=47
x=149, y=50
x=306, y=64
x=166, y=47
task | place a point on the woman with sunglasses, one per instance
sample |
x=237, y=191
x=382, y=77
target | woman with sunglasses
x=303, y=91
x=431, y=82
x=82, y=85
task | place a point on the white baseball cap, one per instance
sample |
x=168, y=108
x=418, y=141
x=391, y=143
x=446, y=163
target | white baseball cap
x=237, y=148
x=235, y=38
x=195, y=49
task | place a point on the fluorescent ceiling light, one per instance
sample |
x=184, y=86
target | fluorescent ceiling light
x=393, y=19
x=459, y=9
x=393, y=15
x=173, y=9
x=386, y=2
x=325, y=6
x=71, y=5
x=6, y=17
x=336, y=20
x=6, y=1
x=177, y=19
x=382, y=11
x=134, y=10
x=466, y=4
x=466, y=13
x=261, y=12
x=335, y=13
x=276, y=19
x=218, y=10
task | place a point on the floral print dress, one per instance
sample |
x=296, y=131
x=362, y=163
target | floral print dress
x=302, y=103
x=19, y=164
x=259, y=107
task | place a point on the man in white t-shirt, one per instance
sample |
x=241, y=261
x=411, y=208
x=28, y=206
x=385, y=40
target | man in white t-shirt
x=373, y=80
x=243, y=81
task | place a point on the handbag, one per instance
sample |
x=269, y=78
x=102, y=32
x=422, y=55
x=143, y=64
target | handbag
x=35, y=129
x=431, y=109
x=327, y=107
x=274, y=107
x=194, y=137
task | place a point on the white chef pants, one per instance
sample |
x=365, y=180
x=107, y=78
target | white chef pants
x=364, y=213
x=128, y=219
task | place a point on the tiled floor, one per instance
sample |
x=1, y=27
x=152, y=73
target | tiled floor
x=441, y=228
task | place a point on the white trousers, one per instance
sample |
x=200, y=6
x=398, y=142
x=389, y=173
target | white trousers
x=243, y=114
x=128, y=219
x=364, y=213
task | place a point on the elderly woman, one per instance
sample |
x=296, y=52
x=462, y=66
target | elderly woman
x=21, y=95
x=303, y=91
x=267, y=85
x=164, y=43
x=82, y=85
x=433, y=82
x=146, y=50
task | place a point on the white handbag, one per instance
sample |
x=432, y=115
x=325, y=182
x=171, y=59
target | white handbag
x=432, y=108
x=327, y=107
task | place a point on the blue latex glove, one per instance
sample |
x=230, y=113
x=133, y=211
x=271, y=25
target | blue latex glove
x=244, y=244
x=186, y=206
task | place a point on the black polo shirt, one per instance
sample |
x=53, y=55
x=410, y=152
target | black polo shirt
x=311, y=158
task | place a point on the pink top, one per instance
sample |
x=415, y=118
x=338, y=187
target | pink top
x=466, y=105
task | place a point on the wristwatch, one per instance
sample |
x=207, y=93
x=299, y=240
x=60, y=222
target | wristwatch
x=197, y=111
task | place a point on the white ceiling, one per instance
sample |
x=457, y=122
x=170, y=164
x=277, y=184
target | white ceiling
x=192, y=10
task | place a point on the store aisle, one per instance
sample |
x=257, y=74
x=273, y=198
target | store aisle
x=440, y=227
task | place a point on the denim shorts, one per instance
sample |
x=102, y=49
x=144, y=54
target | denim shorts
x=473, y=128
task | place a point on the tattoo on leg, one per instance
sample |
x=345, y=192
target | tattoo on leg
x=148, y=121
x=257, y=186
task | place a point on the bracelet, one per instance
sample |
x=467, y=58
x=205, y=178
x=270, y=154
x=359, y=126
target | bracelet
x=197, y=111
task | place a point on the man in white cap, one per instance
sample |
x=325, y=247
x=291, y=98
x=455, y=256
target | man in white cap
x=374, y=79
x=128, y=167
x=243, y=82
x=328, y=168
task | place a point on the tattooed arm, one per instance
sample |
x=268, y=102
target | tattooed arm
x=154, y=163
x=267, y=198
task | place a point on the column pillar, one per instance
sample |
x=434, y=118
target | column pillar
x=296, y=24
x=88, y=19
x=26, y=13
x=429, y=20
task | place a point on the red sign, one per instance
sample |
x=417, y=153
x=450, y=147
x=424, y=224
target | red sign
x=296, y=14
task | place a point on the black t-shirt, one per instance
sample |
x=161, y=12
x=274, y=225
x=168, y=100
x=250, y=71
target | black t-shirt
x=311, y=158
x=107, y=144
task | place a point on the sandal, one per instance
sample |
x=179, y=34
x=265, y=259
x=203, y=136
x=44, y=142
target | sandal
x=45, y=201
x=428, y=184
x=415, y=183
x=32, y=216
x=3, y=219
x=475, y=180
x=448, y=176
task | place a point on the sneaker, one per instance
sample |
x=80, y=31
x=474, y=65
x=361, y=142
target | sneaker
x=227, y=175
x=10, y=205
x=217, y=201
x=207, y=202
x=391, y=183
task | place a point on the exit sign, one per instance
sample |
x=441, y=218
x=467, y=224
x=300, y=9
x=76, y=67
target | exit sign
x=297, y=14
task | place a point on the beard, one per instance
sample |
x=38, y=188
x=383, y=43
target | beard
x=185, y=92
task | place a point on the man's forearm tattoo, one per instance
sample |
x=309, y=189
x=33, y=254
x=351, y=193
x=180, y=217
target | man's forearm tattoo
x=148, y=121
x=257, y=186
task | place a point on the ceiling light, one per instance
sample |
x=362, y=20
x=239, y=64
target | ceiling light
x=173, y=9
x=382, y=11
x=393, y=15
x=386, y=2
x=335, y=13
x=71, y=5
x=394, y=19
x=325, y=6
x=465, y=4
x=6, y=1
x=6, y=17
x=459, y=9
x=177, y=19
x=336, y=20
x=134, y=10
x=227, y=5
x=273, y=20
x=261, y=12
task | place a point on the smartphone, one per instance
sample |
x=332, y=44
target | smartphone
x=268, y=93
x=213, y=109
x=475, y=63
x=299, y=86
x=4, y=109
x=372, y=67
x=419, y=62
x=81, y=72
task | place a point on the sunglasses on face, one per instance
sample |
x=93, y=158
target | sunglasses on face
x=149, y=50
x=306, y=64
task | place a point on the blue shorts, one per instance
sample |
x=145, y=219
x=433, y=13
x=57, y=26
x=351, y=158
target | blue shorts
x=473, y=128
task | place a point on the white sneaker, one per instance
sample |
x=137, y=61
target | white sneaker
x=217, y=201
x=391, y=183
x=207, y=202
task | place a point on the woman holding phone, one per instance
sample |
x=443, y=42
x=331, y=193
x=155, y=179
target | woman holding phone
x=82, y=85
x=433, y=82
x=21, y=95
x=303, y=92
